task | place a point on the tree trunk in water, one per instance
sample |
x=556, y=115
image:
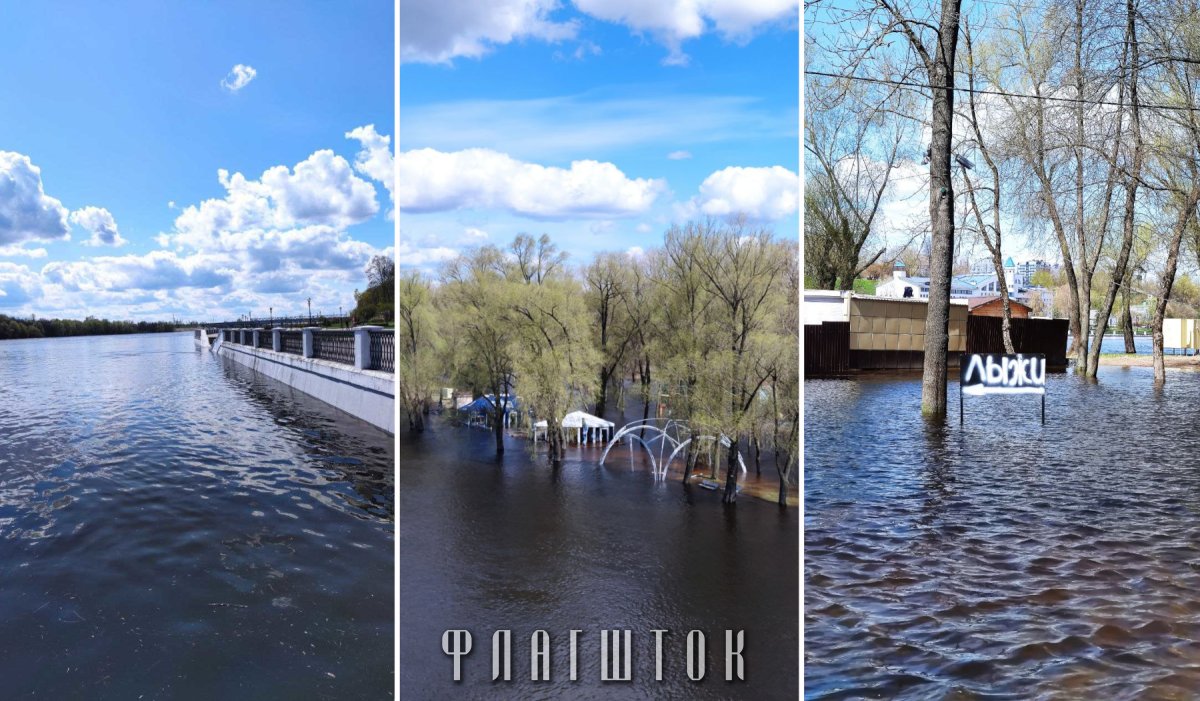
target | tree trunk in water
x=731, y=472
x=416, y=422
x=757, y=454
x=1168, y=279
x=1131, y=187
x=602, y=399
x=1005, y=308
x=499, y=422
x=783, y=489
x=1127, y=322
x=554, y=436
x=645, y=398
x=941, y=215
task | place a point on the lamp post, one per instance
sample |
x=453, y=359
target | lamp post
x=310, y=311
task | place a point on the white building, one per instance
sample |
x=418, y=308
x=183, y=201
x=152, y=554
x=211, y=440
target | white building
x=961, y=286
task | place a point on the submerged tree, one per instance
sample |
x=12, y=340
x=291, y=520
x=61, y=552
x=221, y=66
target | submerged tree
x=554, y=356
x=478, y=308
x=614, y=334
x=741, y=269
x=420, y=348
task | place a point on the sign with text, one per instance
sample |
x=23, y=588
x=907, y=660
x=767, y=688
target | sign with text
x=997, y=373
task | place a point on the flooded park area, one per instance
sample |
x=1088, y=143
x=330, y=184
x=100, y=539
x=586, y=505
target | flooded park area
x=175, y=525
x=1002, y=558
x=493, y=543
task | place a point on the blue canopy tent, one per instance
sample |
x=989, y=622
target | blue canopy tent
x=478, y=410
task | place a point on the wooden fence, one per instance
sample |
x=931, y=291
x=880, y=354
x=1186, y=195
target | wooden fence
x=827, y=349
x=827, y=346
x=1046, y=336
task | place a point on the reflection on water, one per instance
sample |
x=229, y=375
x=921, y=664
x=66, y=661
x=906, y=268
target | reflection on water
x=1003, y=559
x=493, y=543
x=174, y=526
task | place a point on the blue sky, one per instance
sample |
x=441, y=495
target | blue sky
x=125, y=113
x=599, y=123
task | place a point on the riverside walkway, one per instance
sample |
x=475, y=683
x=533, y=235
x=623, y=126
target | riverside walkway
x=351, y=369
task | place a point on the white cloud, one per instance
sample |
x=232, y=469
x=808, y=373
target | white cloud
x=26, y=211
x=18, y=285
x=322, y=190
x=423, y=257
x=679, y=155
x=635, y=252
x=438, y=31
x=99, y=221
x=473, y=234
x=238, y=78
x=18, y=251
x=762, y=194
x=674, y=21
x=375, y=159
x=644, y=228
x=157, y=270
x=433, y=181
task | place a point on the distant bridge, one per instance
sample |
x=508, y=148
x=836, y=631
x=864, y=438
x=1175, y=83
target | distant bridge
x=287, y=322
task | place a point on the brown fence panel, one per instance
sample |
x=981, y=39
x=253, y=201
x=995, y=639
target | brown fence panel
x=827, y=349
x=1046, y=336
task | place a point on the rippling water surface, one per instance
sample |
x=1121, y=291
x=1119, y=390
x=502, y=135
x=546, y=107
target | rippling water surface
x=488, y=544
x=1003, y=559
x=173, y=526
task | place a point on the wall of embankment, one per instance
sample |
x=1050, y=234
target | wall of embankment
x=349, y=383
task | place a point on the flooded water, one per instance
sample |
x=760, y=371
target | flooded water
x=1116, y=344
x=489, y=544
x=1003, y=559
x=173, y=526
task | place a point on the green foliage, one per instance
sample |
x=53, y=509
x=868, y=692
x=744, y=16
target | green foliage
x=377, y=304
x=1042, y=278
x=865, y=287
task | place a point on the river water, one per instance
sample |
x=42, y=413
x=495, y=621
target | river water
x=492, y=544
x=1003, y=558
x=174, y=526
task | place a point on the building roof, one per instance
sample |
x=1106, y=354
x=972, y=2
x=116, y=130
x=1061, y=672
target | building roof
x=974, y=280
x=974, y=302
x=1009, y=262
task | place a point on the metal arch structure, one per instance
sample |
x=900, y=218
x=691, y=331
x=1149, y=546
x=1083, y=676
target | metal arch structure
x=663, y=437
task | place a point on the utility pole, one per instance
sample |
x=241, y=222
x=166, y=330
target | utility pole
x=272, y=313
x=310, y=311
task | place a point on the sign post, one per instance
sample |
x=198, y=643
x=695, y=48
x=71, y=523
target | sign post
x=996, y=373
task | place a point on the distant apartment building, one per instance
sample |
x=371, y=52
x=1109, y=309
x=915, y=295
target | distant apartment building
x=1015, y=274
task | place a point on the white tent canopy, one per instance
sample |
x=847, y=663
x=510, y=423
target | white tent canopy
x=588, y=428
x=578, y=419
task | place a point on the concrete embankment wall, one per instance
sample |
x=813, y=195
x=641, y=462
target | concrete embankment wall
x=366, y=394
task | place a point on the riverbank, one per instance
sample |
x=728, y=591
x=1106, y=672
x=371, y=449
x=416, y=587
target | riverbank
x=1141, y=360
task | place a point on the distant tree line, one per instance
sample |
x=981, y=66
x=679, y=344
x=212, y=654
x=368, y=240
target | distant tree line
x=11, y=327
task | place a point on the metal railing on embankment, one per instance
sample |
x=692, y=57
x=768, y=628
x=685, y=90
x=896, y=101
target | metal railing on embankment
x=335, y=346
x=291, y=342
x=363, y=348
x=383, y=350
